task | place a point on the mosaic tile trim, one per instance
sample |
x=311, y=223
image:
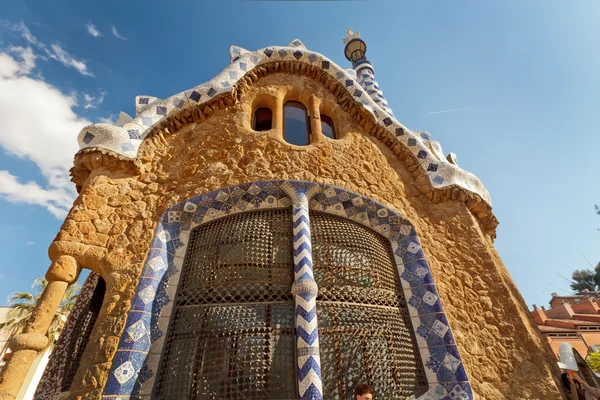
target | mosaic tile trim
x=310, y=384
x=137, y=358
x=126, y=140
x=49, y=387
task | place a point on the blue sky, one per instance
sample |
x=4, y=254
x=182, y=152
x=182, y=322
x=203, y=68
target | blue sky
x=525, y=76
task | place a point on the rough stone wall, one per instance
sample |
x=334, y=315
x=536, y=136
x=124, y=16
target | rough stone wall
x=111, y=225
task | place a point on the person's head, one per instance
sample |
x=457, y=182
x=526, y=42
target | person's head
x=566, y=379
x=363, y=392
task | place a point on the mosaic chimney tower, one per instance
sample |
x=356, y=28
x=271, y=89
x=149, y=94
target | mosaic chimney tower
x=356, y=52
x=276, y=232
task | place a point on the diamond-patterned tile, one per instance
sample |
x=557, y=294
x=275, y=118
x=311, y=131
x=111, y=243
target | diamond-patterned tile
x=124, y=372
x=137, y=331
x=88, y=137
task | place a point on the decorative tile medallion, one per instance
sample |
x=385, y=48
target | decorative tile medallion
x=135, y=364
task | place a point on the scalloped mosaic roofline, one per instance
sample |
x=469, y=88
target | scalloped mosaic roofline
x=421, y=156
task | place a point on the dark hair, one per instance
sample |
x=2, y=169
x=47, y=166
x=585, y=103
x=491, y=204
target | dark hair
x=564, y=378
x=565, y=381
x=361, y=389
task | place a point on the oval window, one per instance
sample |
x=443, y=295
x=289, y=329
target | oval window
x=295, y=126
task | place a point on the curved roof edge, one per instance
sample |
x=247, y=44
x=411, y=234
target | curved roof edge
x=125, y=139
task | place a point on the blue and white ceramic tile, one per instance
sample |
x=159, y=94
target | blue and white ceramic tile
x=423, y=300
x=415, y=273
x=443, y=365
x=432, y=330
x=122, y=379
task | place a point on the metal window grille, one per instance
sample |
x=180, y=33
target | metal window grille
x=82, y=331
x=232, y=330
x=364, y=328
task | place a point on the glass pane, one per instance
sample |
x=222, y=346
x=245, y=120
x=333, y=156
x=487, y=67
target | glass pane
x=263, y=119
x=327, y=126
x=296, y=130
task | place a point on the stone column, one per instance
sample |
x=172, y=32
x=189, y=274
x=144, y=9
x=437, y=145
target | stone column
x=25, y=346
x=305, y=294
x=278, y=113
x=315, y=119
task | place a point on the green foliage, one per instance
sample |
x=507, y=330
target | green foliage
x=23, y=303
x=584, y=279
x=597, y=275
x=593, y=360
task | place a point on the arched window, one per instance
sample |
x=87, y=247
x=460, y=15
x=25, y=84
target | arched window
x=327, y=127
x=365, y=333
x=263, y=119
x=296, y=128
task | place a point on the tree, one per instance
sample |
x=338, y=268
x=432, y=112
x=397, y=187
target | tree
x=584, y=279
x=597, y=275
x=593, y=360
x=23, y=303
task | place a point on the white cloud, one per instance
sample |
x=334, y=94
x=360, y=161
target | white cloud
x=69, y=61
x=26, y=34
x=38, y=124
x=107, y=120
x=117, y=34
x=29, y=243
x=91, y=101
x=55, y=200
x=55, y=52
x=92, y=30
x=27, y=58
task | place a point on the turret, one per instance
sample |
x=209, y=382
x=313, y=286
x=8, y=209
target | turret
x=356, y=52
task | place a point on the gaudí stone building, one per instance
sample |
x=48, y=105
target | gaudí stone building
x=276, y=233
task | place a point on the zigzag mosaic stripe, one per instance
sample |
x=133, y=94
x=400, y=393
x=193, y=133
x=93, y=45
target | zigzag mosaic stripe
x=310, y=385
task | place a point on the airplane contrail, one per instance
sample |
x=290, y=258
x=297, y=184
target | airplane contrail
x=452, y=110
